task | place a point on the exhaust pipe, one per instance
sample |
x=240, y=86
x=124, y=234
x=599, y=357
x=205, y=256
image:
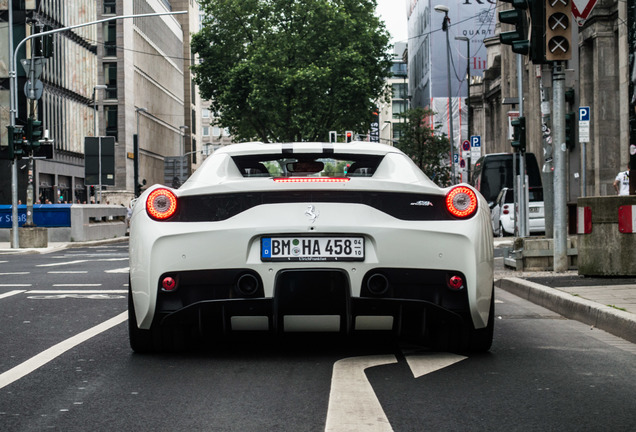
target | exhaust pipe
x=247, y=285
x=378, y=284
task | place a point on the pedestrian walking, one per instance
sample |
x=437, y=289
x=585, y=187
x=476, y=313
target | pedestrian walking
x=621, y=183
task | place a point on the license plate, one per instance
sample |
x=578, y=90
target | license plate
x=534, y=209
x=337, y=248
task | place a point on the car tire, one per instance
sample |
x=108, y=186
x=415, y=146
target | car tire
x=480, y=340
x=141, y=341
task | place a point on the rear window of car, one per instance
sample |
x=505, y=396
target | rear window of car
x=308, y=165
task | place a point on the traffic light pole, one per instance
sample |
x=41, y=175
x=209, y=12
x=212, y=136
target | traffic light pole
x=522, y=196
x=560, y=154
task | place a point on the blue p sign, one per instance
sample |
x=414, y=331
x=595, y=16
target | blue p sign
x=584, y=113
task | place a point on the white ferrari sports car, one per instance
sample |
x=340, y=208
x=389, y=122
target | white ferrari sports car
x=311, y=237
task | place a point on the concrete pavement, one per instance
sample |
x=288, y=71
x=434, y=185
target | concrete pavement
x=608, y=304
x=605, y=303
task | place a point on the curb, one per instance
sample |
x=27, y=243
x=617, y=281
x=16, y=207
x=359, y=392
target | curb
x=61, y=246
x=614, y=321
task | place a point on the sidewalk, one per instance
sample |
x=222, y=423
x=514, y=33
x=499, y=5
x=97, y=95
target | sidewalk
x=608, y=303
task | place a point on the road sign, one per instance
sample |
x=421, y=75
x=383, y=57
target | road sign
x=466, y=145
x=455, y=158
x=584, y=113
x=584, y=124
x=581, y=10
x=475, y=148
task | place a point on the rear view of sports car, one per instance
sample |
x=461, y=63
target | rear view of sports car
x=350, y=238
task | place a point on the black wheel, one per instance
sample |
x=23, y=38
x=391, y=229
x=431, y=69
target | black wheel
x=480, y=340
x=141, y=341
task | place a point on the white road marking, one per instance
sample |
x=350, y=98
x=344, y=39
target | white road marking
x=76, y=285
x=14, y=273
x=353, y=405
x=119, y=270
x=422, y=364
x=80, y=261
x=11, y=293
x=76, y=291
x=68, y=272
x=14, y=285
x=44, y=357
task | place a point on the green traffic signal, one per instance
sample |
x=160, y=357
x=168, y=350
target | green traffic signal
x=15, y=143
x=519, y=134
x=516, y=38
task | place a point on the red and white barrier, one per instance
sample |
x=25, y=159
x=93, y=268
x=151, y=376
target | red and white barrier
x=584, y=220
x=627, y=219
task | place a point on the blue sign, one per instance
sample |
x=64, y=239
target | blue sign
x=466, y=145
x=455, y=158
x=475, y=141
x=584, y=113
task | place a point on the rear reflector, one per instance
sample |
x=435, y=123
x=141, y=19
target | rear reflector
x=455, y=283
x=311, y=179
x=168, y=283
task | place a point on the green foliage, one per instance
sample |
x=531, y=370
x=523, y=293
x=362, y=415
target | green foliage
x=284, y=70
x=425, y=145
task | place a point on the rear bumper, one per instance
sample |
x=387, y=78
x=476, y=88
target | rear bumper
x=315, y=300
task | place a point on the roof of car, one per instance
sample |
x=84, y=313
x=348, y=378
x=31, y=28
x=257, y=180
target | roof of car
x=307, y=147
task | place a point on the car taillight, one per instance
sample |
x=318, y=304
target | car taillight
x=506, y=210
x=461, y=202
x=161, y=204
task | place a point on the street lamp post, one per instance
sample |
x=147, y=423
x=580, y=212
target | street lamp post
x=445, y=24
x=99, y=137
x=467, y=40
x=182, y=155
x=136, y=154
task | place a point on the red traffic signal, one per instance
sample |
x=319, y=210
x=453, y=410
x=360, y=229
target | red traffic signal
x=348, y=136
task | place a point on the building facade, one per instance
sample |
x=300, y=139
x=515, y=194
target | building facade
x=121, y=77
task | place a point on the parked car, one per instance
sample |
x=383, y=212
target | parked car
x=278, y=238
x=502, y=213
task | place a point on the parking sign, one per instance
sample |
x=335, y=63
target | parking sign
x=475, y=148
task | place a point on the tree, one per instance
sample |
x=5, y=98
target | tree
x=284, y=70
x=428, y=148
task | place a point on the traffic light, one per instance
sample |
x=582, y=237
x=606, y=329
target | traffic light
x=517, y=38
x=333, y=136
x=537, y=31
x=348, y=136
x=519, y=134
x=558, y=30
x=570, y=133
x=15, y=138
x=33, y=132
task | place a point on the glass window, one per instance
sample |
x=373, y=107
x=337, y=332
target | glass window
x=399, y=91
x=206, y=131
x=398, y=108
x=110, y=79
x=110, y=115
x=205, y=113
x=110, y=7
x=110, y=39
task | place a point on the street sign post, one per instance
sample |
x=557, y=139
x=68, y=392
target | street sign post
x=475, y=148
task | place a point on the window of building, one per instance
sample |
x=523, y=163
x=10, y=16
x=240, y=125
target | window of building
x=205, y=131
x=110, y=39
x=110, y=7
x=110, y=116
x=400, y=91
x=398, y=108
x=110, y=79
x=194, y=151
x=205, y=113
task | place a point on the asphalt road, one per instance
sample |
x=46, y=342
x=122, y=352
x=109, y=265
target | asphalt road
x=543, y=372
